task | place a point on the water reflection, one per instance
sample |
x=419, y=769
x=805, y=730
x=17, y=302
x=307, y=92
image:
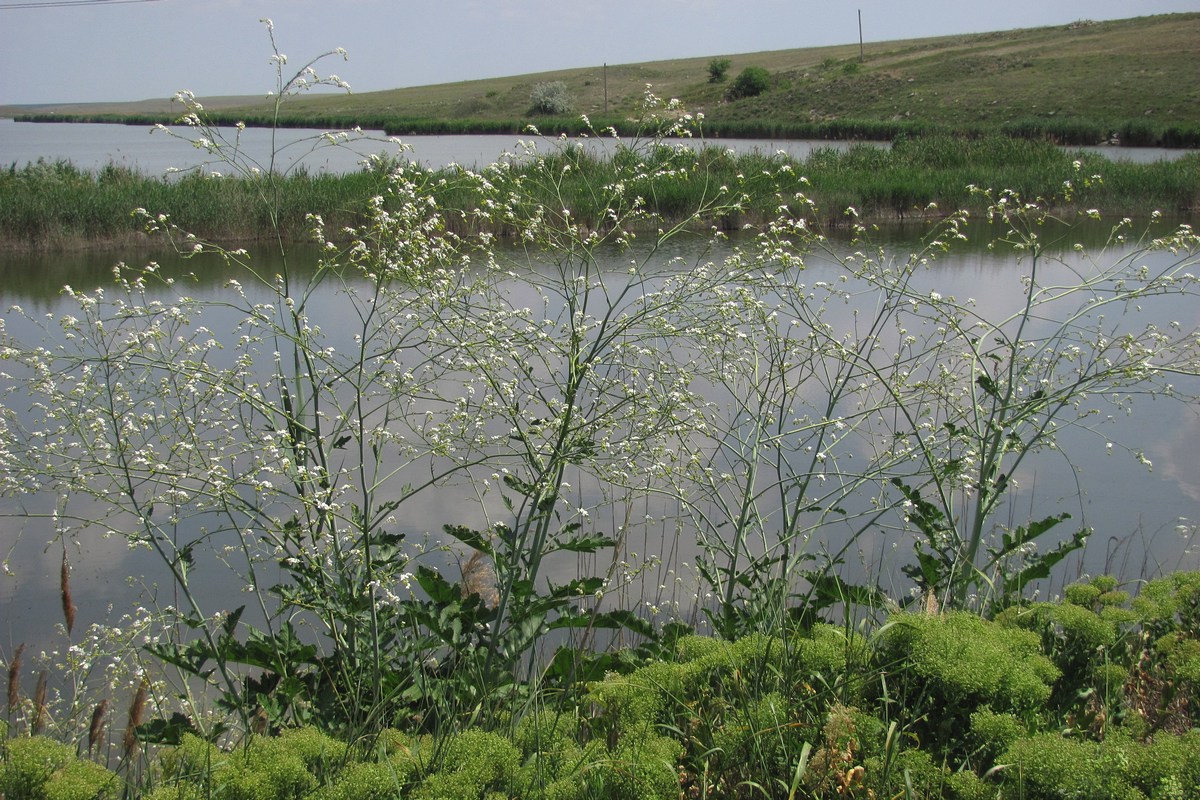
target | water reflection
x=1144, y=519
x=93, y=146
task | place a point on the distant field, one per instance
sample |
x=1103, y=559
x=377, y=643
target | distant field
x=1134, y=75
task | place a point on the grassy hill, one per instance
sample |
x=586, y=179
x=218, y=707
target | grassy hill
x=1145, y=69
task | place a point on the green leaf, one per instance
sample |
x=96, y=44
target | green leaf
x=587, y=544
x=988, y=385
x=1011, y=541
x=1040, y=565
x=231, y=621
x=579, y=666
x=928, y=569
x=520, y=486
x=166, y=731
x=829, y=589
x=579, y=587
x=190, y=658
x=476, y=540
x=275, y=650
x=439, y=590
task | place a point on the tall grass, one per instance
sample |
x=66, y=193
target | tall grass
x=48, y=204
x=1065, y=131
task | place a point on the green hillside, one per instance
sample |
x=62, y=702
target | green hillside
x=1136, y=72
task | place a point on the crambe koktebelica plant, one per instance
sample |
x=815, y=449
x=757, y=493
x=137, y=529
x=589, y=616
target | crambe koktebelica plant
x=866, y=404
x=196, y=444
x=248, y=430
x=967, y=396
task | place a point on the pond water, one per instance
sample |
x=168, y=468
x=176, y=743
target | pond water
x=92, y=146
x=135, y=146
x=1145, y=519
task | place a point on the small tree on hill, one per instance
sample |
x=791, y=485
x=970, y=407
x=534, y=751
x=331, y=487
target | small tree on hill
x=717, y=69
x=551, y=98
x=750, y=82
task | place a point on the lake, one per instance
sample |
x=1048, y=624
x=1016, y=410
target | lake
x=90, y=146
x=1145, y=519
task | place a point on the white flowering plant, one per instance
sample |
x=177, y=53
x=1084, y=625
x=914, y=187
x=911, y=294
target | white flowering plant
x=557, y=414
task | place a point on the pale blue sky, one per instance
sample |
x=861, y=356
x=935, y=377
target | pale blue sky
x=138, y=49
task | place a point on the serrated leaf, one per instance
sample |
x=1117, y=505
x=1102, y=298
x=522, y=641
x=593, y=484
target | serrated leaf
x=587, y=544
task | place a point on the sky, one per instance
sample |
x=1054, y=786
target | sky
x=64, y=51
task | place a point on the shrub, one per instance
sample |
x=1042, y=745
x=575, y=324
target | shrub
x=636, y=702
x=1049, y=766
x=969, y=661
x=267, y=770
x=992, y=734
x=1171, y=603
x=179, y=791
x=475, y=762
x=1169, y=609
x=1166, y=762
x=969, y=786
x=943, y=668
x=643, y=768
x=910, y=773
x=554, y=765
x=28, y=764
x=550, y=98
x=84, y=780
x=750, y=82
x=717, y=69
x=321, y=754
x=367, y=781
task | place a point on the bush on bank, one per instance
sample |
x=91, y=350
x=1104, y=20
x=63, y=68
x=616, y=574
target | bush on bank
x=1051, y=700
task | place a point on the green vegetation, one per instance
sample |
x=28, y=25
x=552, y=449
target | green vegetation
x=750, y=82
x=550, y=99
x=1075, y=84
x=718, y=68
x=56, y=205
x=925, y=706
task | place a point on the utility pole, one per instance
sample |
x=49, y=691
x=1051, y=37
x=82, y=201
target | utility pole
x=860, y=39
x=606, y=87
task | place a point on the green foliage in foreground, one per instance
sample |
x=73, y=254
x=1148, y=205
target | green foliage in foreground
x=56, y=204
x=924, y=705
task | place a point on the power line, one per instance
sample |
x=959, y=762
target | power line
x=69, y=3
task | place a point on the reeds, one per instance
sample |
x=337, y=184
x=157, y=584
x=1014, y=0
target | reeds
x=96, y=728
x=68, y=604
x=1069, y=131
x=136, y=716
x=40, y=711
x=14, y=683
x=46, y=205
x=49, y=204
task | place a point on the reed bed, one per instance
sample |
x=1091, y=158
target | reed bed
x=1069, y=131
x=58, y=205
